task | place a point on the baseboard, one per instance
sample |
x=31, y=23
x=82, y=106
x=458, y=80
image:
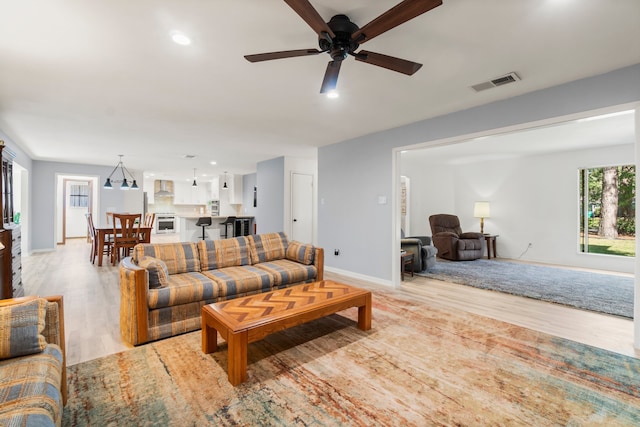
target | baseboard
x=352, y=275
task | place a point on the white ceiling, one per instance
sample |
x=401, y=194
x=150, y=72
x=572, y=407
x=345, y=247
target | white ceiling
x=85, y=81
x=603, y=130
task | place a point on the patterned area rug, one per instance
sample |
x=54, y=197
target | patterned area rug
x=604, y=293
x=417, y=366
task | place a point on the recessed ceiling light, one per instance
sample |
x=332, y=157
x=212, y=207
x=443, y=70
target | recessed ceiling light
x=180, y=38
x=214, y=163
x=333, y=94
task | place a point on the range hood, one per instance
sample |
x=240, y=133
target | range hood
x=163, y=188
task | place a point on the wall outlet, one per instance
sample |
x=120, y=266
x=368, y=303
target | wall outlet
x=336, y=252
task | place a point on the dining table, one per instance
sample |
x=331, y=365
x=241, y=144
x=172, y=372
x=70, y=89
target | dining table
x=103, y=231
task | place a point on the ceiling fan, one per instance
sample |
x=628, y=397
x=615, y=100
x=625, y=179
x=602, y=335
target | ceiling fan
x=340, y=37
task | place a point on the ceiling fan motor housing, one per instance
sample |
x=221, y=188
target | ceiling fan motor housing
x=342, y=44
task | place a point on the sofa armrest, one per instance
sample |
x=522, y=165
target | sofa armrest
x=471, y=235
x=134, y=307
x=318, y=261
x=446, y=234
x=426, y=240
x=53, y=330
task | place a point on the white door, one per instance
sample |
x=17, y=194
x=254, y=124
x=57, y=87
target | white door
x=77, y=203
x=302, y=207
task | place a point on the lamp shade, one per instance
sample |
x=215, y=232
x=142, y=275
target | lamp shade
x=481, y=210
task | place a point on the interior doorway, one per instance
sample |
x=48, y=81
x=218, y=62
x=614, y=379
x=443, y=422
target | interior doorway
x=76, y=196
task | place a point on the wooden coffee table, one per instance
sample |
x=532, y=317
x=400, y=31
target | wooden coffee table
x=244, y=320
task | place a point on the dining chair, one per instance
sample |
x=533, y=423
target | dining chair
x=108, y=244
x=126, y=234
x=149, y=220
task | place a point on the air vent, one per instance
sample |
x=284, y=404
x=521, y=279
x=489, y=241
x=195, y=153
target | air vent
x=498, y=81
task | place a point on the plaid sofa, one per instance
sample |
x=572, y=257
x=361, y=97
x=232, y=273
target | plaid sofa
x=163, y=286
x=33, y=382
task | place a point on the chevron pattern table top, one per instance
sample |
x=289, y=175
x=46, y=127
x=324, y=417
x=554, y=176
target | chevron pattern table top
x=251, y=311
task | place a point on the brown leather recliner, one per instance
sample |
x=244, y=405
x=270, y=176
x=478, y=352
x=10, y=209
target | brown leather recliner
x=451, y=242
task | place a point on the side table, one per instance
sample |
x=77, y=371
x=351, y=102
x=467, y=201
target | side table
x=406, y=259
x=491, y=244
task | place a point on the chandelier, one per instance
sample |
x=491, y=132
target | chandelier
x=125, y=184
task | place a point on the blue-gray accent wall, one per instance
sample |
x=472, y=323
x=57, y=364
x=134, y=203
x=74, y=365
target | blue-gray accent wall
x=270, y=183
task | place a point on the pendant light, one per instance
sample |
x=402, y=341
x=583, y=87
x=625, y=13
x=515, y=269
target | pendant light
x=195, y=184
x=125, y=185
x=225, y=187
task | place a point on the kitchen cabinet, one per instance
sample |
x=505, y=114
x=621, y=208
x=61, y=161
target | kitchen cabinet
x=233, y=193
x=186, y=194
x=235, y=197
x=215, y=189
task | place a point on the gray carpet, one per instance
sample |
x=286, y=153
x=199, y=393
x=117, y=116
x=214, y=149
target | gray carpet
x=605, y=293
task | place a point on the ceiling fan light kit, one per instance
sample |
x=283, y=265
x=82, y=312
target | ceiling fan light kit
x=340, y=37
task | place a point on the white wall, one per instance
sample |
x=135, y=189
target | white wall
x=533, y=200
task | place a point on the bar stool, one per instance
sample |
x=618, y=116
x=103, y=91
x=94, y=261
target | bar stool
x=204, y=221
x=231, y=220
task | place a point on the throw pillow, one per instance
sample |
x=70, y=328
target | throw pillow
x=158, y=272
x=21, y=327
x=301, y=252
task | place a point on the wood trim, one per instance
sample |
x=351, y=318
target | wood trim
x=142, y=307
x=13, y=301
x=58, y=299
x=319, y=263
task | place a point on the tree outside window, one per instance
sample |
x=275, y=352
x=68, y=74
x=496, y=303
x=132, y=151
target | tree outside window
x=607, y=210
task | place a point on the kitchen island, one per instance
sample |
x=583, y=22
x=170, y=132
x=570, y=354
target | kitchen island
x=190, y=232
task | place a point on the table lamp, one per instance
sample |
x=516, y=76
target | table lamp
x=481, y=210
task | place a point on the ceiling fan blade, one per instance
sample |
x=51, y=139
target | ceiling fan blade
x=311, y=16
x=389, y=62
x=331, y=76
x=399, y=14
x=281, y=55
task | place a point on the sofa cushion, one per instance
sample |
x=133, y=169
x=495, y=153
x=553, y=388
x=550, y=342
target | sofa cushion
x=182, y=289
x=286, y=272
x=239, y=281
x=158, y=272
x=179, y=257
x=268, y=247
x=216, y=254
x=21, y=327
x=301, y=252
x=32, y=396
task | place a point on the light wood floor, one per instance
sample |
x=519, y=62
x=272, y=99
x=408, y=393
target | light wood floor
x=92, y=300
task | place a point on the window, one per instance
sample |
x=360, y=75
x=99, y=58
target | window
x=607, y=210
x=79, y=196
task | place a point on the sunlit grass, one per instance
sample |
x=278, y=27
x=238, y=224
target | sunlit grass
x=622, y=247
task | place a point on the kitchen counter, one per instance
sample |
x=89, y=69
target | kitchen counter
x=190, y=232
